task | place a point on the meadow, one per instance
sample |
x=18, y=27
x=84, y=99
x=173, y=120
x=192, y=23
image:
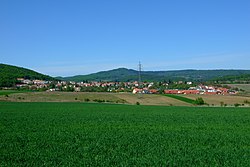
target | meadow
x=123, y=98
x=8, y=92
x=88, y=134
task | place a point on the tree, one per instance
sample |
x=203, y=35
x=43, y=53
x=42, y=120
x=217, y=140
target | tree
x=199, y=101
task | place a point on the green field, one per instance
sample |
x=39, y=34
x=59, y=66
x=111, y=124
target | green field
x=181, y=98
x=8, y=92
x=81, y=134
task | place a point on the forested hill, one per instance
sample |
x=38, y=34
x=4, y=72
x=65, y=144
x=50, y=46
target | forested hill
x=243, y=78
x=123, y=74
x=9, y=74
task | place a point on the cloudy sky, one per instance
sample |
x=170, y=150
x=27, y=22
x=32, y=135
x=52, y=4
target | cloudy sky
x=70, y=37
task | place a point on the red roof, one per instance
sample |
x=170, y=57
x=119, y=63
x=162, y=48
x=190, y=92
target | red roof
x=171, y=91
x=190, y=91
x=153, y=90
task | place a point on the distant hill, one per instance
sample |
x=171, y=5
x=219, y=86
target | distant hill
x=123, y=74
x=242, y=78
x=9, y=74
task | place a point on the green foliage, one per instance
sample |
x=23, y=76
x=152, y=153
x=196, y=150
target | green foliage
x=70, y=89
x=199, y=101
x=181, y=98
x=137, y=103
x=94, y=89
x=8, y=92
x=240, y=78
x=123, y=74
x=236, y=104
x=87, y=134
x=9, y=74
x=180, y=86
x=86, y=100
x=99, y=100
x=246, y=101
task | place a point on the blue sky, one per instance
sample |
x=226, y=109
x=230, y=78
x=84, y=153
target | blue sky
x=70, y=37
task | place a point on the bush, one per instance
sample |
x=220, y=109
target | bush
x=221, y=103
x=199, y=101
x=236, y=104
x=121, y=101
x=99, y=100
x=86, y=100
x=246, y=101
x=137, y=103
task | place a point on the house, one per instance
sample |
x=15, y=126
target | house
x=191, y=92
x=210, y=93
x=136, y=90
x=77, y=89
x=171, y=91
x=153, y=91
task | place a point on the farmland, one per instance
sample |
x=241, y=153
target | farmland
x=8, y=92
x=88, y=134
x=127, y=98
x=216, y=100
x=245, y=87
x=122, y=98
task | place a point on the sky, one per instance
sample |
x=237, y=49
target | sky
x=73, y=37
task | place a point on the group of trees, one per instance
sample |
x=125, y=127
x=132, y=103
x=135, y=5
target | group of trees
x=243, y=78
x=9, y=75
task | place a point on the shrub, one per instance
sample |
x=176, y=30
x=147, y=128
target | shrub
x=86, y=100
x=246, y=101
x=236, y=104
x=137, y=103
x=98, y=100
x=121, y=101
x=199, y=101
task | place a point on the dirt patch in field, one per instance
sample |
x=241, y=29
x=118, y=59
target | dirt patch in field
x=127, y=98
x=150, y=99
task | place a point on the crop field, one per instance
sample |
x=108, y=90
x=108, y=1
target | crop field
x=216, y=100
x=245, y=87
x=88, y=134
x=8, y=92
x=127, y=98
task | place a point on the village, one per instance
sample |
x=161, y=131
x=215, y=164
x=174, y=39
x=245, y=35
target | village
x=135, y=87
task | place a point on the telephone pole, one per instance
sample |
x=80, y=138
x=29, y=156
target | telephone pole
x=139, y=74
x=140, y=86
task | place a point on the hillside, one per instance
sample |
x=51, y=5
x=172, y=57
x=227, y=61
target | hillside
x=242, y=78
x=123, y=74
x=9, y=74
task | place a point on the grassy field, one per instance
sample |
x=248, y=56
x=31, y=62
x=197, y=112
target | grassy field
x=245, y=87
x=123, y=98
x=128, y=98
x=181, y=98
x=8, y=92
x=216, y=100
x=88, y=134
